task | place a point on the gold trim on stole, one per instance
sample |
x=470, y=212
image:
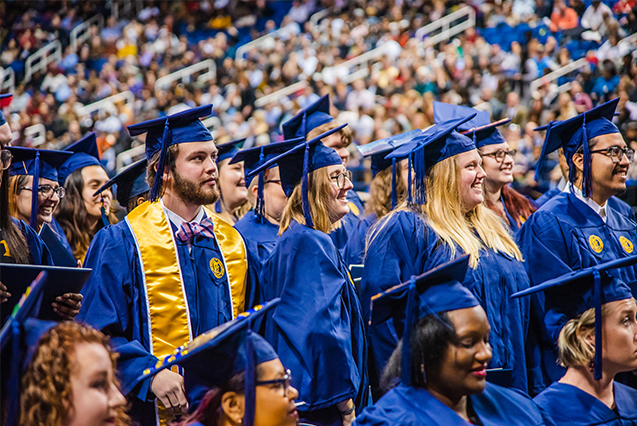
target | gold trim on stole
x=234, y=255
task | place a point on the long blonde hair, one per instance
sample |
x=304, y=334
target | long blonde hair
x=444, y=213
x=380, y=189
x=319, y=187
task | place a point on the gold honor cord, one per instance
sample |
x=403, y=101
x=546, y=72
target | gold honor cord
x=169, y=318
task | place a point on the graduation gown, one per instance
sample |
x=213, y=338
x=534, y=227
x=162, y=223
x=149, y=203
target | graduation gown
x=355, y=246
x=115, y=302
x=616, y=203
x=341, y=235
x=55, y=226
x=569, y=405
x=406, y=246
x=317, y=329
x=410, y=406
x=39, y=252
x=260, y=239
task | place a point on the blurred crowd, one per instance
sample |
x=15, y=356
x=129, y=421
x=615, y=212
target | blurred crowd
x=479, y=67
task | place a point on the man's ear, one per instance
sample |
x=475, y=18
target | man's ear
x=233, y=406
x=578, y=161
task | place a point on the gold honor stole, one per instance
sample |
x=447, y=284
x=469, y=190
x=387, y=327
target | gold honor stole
x=168, y=312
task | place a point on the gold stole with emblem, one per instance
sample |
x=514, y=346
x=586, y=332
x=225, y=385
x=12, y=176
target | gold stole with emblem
x=166, y=300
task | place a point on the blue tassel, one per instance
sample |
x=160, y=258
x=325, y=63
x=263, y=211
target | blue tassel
x=410, y=315
x=103, y=211
x=305, y=188
x=597, y=295
x=35, y=198
x=394, y=195
x=587, y=181
x=410, y=199
x=419, y=172
x=218, y=208
x=155, y=191
x=260, y=207
x=250, y=381
x=13, y=385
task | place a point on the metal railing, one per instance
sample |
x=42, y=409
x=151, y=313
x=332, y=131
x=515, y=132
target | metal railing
x=275, y=96
x=107, y=104
x=258, y=42
x=81, y=32
x=444, y=23
x=185, y=74
x=7, y=79
x=317, y=16
x=126, y=158
x=38, y=61
x=558, y=73
x=37, y=134
x=125, y=7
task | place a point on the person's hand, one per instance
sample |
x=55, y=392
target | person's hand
x=68, y=305
x=4, y=294
x=169, y=388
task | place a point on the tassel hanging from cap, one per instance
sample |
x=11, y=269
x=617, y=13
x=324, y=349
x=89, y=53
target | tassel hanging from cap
x=587, y=180
x=103, y=211
x=394, y=194
x=250, y=381
x=305, y=188
x=420, y=188
x=410, y=199
x=35, y=186
x=260, y=206
x=156, y=189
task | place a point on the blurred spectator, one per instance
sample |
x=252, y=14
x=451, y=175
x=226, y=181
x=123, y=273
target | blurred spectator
x=594, y=15
x=563, y=17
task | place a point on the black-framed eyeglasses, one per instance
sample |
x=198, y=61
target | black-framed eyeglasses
x=6, y=157
x=47, y=191
x=340, y=178
x=616, y=153
x=282, y=383
x=500, y=154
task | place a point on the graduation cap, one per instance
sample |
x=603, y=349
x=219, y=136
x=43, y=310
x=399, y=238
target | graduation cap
x=5, y=100
x=39, y=163
x=255, y=157
x=308, y=119
x=571, y=294
x=431, y=293
x=480, y=128
x=228, y=150
x=85, y=153
x=434, y=145
x=379, y=149
x=163, y=132
x=18, y=337
x=131, y=182
x=297, y=163
x=213, y=358
x=574, y=133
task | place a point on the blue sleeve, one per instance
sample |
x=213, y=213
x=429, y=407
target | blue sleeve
x=39, y=251
x=113, y=304
x=311, y=328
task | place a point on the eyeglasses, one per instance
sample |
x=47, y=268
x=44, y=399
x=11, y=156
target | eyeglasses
x=500, y=154
x=6, y=157
x=282, y=383
x=47, y=191
x=273, y=181
x=616, y=153
x=340, y=178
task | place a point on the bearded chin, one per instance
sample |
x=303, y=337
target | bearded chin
x=192, y=192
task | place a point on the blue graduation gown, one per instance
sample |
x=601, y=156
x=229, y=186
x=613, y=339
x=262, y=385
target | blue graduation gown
x=40, y=254
x=616, y=203
x=407, y=246
x=341, y=235
x=355, y=246
x=115, y=303
x=317, y=329
x=569, y=405
x=409, y=406
x=55, y=226
x=260, y=239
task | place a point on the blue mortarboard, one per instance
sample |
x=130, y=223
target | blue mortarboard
x=571, y=294
x=5, y=100
x=434, y=145
x=308, y=119
x=85, y=153
x=163, y=132
x=574, y=133
x=379, y=149
x=19, y=336
x=255, y=157
x=480, y=128
x=213, y=358
x=228, y=150
x=130, y=182
x=39, y=163
x=296, y=164
x=435, y=291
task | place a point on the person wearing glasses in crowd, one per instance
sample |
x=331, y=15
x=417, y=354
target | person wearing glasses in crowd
x=317, y=329
x=497, y=162
x=81, y=213
x=444, y=217
x=578, y=228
